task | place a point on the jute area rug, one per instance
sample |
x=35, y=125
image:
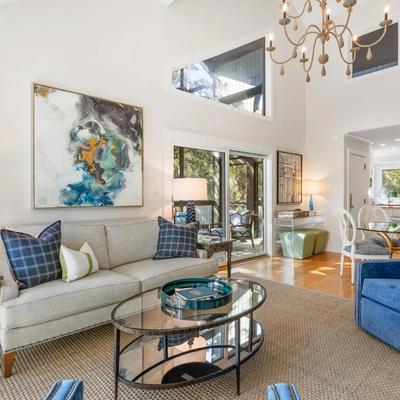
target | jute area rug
x=312, y=341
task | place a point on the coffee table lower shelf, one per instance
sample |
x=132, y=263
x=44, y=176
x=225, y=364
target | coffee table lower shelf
x=193, y=357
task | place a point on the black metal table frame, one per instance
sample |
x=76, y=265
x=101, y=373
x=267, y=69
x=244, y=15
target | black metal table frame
x=157, y=333
x=238, y=361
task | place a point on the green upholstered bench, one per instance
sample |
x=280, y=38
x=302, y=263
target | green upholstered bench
x=321, y=241
x=298, y=244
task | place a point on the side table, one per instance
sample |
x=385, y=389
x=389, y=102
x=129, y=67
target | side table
x=217, y=246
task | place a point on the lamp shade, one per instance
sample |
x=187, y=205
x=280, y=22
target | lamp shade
x=190, y=189
x=311, y=187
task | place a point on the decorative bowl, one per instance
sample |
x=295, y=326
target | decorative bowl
x=170, y=299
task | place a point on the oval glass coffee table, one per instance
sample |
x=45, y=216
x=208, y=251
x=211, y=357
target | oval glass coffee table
x=170, y=348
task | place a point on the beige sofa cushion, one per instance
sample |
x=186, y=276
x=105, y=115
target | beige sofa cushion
x=75, y=234
x=155, y=273
x=57, y=299
x=131, y=241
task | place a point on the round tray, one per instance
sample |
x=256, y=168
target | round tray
x=170, y=299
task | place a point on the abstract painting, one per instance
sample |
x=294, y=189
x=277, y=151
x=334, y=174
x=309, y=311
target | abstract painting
x=88, y=152
x=290, y=172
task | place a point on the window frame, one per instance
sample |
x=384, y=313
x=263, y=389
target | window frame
x=363, y=31
x=268, y=73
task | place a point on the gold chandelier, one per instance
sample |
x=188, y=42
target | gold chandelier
x=329, y=30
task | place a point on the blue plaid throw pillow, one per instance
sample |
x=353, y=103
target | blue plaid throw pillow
x=176, y=240
x=34, y=260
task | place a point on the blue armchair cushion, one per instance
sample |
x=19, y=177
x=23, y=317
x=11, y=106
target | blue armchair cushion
x=283, y=391
x=34, y=260
x=176, y=240
x=66, y=390
x=383, y=291
x=369, y=248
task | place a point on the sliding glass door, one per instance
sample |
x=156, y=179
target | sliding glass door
x=246, y=204
x=235, y=205
x=200, y=163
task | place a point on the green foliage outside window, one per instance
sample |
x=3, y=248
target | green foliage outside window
x=199, y=163
x=391, y=181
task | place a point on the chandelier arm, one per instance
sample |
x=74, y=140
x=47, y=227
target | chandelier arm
x=302, y=13
x=345, y=29
x=343, y=57
x=280, y=62
x=374, y=43
x=307, y=70
x=304, y=36
x=345, y=25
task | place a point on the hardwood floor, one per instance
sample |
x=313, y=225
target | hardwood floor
x=319, y=273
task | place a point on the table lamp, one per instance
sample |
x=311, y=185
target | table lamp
x=310, y=188
x=190, y=190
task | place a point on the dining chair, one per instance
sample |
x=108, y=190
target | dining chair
x=365, y=250
x=371, y=213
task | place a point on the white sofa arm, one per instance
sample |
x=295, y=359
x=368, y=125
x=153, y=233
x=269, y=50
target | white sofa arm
x=8, y=286
x=202, y=254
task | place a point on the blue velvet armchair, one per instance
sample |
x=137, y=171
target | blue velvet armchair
x=282, y=391
x=66, y=390
x=378, y=300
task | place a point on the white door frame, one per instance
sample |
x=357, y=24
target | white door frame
x=351, y=151
x=174, y=137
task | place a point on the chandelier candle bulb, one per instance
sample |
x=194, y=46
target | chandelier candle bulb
x=284, y=9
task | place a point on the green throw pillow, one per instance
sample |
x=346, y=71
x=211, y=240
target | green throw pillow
x=77, y=264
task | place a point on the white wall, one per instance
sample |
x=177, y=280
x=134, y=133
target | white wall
x=336, y=106
x=122, y=50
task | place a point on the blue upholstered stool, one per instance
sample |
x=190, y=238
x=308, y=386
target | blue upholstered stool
x=66, y=390
x=282, y=391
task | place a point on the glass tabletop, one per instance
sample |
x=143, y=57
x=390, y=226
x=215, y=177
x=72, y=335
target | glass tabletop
x=147, y=314
x=383, y=227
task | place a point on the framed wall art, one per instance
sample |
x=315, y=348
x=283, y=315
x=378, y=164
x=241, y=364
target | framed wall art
x=290, y=176
x=88, y=151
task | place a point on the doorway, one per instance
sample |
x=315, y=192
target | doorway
x=246, y=204
x=357, y=181
x=237, y=194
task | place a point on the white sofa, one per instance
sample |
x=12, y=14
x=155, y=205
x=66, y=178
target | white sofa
x=124, y=249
